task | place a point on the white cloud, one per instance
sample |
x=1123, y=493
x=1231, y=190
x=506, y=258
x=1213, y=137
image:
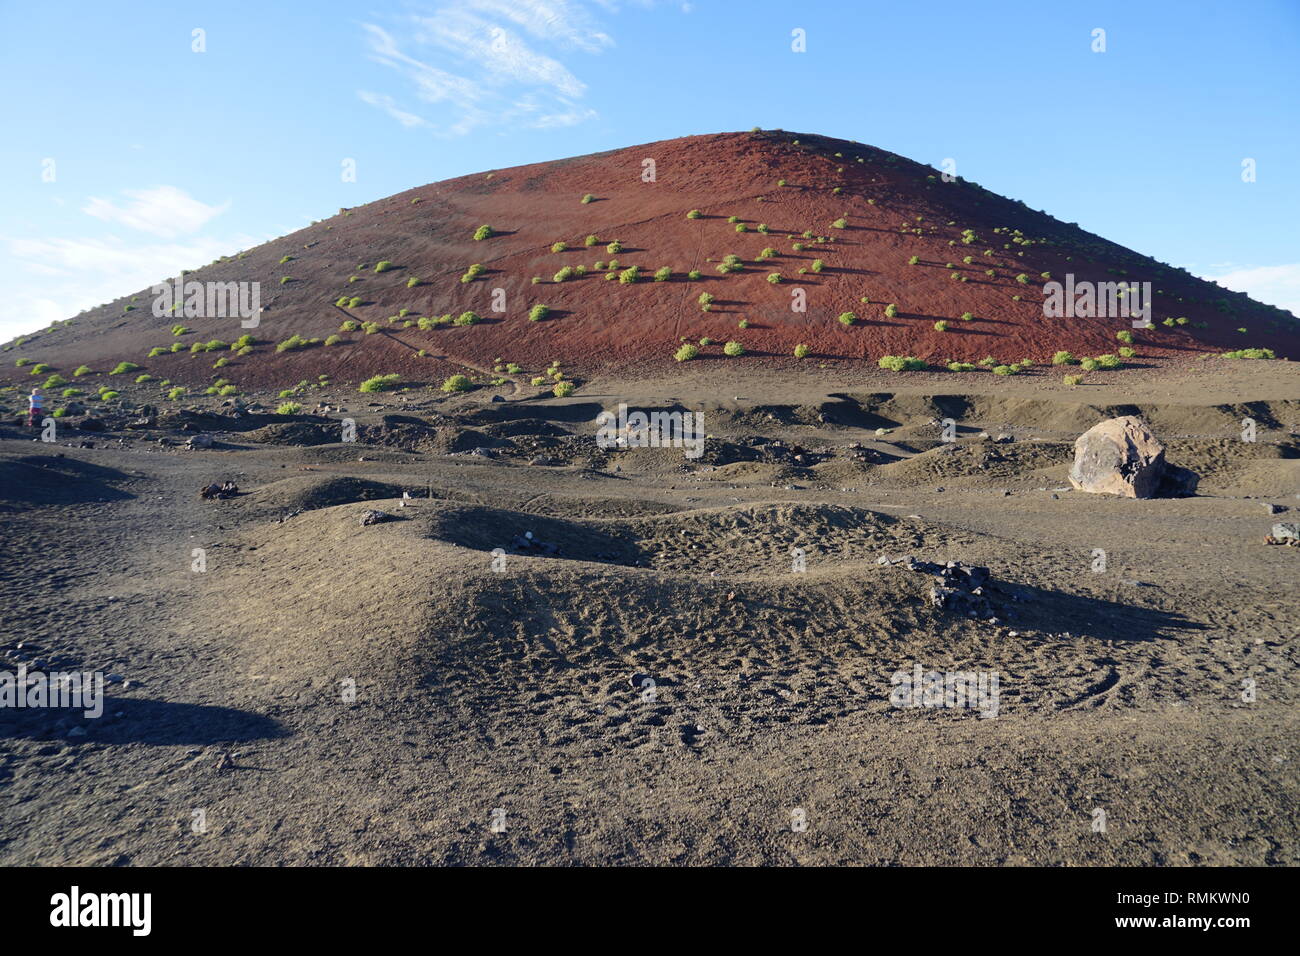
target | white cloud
x=549, y=20
x=164, y=211
x=53, y=279
x=385, y=103
x=1274, y=285
x=504, y=56
x=502, y=73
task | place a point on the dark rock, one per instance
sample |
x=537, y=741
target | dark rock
x=370, y=517
x=227, y=489
x=1120, y=456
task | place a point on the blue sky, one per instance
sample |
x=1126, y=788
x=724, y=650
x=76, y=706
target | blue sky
x=130, y=156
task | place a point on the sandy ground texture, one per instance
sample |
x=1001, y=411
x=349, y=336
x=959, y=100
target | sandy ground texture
x=690, y=662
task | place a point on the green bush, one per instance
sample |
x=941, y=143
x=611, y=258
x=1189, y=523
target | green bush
x=960, y=367
x=176, y=393
x=733, y=349
x=914, y=260
x=333, y=339
x=941, y=326
x=1063, y=358
x=801, y=351
x=158, y=350
x=457, y=383
x=588, y=198
x=775, y=278
x=591, y=241
x=558, y=246
x=180, y=330
x=54, y=381
x=482, y=232
x=562, y=389
x=686, y=353
x=891, y=310
x=706, y=298
x=1109, y=361
x=354, y=302
x=1022, y=279
x=81, y=370
x=1073, y=379
x=383, y=265
x=288, y=408
x=108, y=395
x=817, y=265
x=473, y=272
x=664, y=274
x=1089, y=365
x=840, y=223
x=564, y=274
x=139, y=379
x=412, y=282
x=1126, y=351
x=629, y=275
x=693, y=275
x=1005, y=369
x=292, y=343
x=901, y=363
x=848, y=318
x=72, y=392
x=694, y=214
x=1125, y=336
x=538, y=312
x=381, y=383
x=1250, y=354
x=228, y=390
x=122, y=368
x=351, y=325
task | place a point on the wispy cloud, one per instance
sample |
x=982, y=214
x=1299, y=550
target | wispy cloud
x=1274, y=285
x=384, y=102
x=164, y=211
x=57, y=278
x=506, y=58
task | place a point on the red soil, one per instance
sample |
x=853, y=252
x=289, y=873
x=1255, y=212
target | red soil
x=599, y=325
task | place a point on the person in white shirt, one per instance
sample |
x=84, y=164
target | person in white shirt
x=35, y=402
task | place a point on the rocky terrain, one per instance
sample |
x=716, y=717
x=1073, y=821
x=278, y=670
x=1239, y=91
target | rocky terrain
x=471, y=634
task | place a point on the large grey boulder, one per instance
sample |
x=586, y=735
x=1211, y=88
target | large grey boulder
x=1120, y=456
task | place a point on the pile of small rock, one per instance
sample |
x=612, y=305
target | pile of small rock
x=958, y=587
x=226, y=489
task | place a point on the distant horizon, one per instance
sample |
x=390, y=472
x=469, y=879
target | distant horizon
x=126, y=170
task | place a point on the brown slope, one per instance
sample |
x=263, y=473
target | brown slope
x=604, y=325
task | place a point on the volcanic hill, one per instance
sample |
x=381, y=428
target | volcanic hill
x=882, y=247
